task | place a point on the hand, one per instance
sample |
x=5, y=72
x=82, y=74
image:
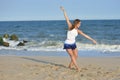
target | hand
x=62, y=8
x=94, y=42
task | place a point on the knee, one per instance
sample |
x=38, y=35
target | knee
x=71, y=55
x=76, y=56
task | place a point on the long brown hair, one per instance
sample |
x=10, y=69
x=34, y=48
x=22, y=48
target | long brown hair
x=75, y=22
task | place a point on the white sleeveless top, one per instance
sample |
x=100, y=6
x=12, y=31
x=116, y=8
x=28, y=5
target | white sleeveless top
x=71, y=35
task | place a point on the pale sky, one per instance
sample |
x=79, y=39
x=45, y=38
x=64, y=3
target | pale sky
x=12, y=10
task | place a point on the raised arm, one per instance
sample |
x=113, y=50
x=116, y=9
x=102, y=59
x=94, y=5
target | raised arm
x=86, y=36
x=66, y=17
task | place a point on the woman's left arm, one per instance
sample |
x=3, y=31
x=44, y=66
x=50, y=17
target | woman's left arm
x=86, y=36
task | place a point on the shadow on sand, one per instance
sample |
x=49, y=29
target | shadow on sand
x=45, y=62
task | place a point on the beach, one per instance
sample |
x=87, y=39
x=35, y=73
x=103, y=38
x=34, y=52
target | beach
x=56, y=68
x=43, y=56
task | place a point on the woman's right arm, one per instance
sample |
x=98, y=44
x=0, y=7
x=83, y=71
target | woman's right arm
x=67, y=19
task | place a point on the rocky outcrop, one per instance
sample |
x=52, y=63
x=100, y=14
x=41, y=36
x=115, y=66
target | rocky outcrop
x=14, y=37
x=3, y=43
x=6, y=40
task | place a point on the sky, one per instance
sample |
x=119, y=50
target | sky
x=17, y=10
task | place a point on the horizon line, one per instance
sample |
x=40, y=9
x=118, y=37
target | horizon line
x=55, y=20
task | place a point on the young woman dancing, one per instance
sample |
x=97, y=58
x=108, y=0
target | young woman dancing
x=70, y=43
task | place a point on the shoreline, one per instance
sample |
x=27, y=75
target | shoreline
x=56, y=68
x=81, y=53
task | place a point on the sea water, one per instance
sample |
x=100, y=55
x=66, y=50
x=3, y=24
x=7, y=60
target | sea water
x=50, y=35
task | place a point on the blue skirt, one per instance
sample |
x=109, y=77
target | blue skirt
x=70, y=46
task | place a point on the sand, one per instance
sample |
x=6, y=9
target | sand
x=56, y=68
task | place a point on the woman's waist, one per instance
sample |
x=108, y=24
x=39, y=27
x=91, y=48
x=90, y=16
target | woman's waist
x=69, y=41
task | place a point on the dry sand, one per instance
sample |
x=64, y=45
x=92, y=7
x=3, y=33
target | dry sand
x=55, y=68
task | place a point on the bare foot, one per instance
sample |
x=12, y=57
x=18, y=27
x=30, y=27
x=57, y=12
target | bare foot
x=70, y=67
x=78, y=69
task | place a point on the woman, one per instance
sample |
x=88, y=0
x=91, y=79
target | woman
x=69, y=43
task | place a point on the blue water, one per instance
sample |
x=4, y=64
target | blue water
x=50, y=35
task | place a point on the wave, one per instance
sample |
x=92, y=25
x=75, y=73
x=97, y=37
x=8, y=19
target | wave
x=99, y=47
x=58, y=46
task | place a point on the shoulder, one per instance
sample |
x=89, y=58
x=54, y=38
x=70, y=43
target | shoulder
x=79, y=31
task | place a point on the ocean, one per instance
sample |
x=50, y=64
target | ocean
x=50, y=35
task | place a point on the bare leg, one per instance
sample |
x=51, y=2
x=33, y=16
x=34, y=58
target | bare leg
x=75, y=53
x=71, y=64
x=73, y=59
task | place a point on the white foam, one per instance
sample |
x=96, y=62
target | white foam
x=34, y=46
x=101, y=47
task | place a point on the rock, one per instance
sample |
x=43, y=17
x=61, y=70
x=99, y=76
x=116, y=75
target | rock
x=14, y=37
x=1, y=41
x=24, y=41
x=21, y=44
x=6, y=44
x=6, y=36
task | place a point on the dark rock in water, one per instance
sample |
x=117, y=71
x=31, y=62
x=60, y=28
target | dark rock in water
x=24, y=41
x=21, y=44
x=6, y=44
x=1, y=41
x=6, y=36
x=14, y=37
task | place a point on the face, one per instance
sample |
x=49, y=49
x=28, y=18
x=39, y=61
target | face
x=78, y=25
